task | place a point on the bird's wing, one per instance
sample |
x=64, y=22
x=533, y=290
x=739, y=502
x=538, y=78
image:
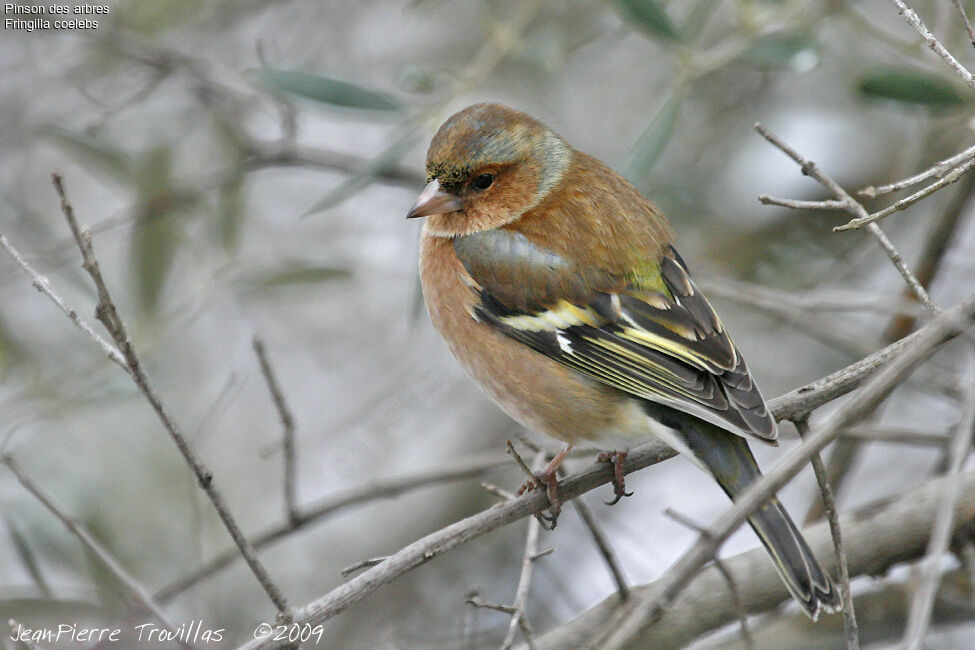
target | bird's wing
x=652, y=334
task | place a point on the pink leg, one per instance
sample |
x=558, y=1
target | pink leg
x=619, y=484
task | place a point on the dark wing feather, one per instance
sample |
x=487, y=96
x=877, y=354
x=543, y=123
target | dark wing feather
x=658, y=339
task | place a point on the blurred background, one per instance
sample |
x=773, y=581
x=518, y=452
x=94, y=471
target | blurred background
x=246, y=167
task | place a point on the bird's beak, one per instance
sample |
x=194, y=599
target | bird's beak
x=433, y=200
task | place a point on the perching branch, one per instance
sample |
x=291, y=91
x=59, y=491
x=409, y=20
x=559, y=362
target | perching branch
x=633, y=617
x=707, y=605
x=961, y=444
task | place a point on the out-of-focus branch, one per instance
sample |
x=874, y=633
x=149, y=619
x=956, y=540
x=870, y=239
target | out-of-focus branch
x=288, y=436
x=107, y=313
x=877, y=537
x=906, y=353
x=946, y=224
x=854, y=207
x=961, y=444
x=42, y=284
x=965, y=21
x=633, y=617
x=850, y=630
x=385, y=488
x=129, y=582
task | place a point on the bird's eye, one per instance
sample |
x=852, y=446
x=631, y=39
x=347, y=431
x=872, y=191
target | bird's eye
x=483, y=181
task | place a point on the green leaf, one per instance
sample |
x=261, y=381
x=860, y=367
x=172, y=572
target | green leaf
x=156, y=234
x=913, y=87
x=327, y=90
x=231, y=212
x=88, y=150
x=654, y=139
x=301, y=274
x=799, y=51
x=650, y=17
x=27, y=557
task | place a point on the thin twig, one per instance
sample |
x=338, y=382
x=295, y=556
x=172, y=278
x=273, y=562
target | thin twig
x=519, y=619
x=799, y=204
x=107, y=313
x=385, y=488
x=498, y=491
x=746, y=635
x=854, y=207
x=803, y=400
x=605, y=550
x=904, y=436
x=908, y=201
x=288, y=424
x=939, y=49
x=363, y=564
x=850, y=629
x=945, y=225
x=923, y=601
x=627, y=623
x=965, y=21
x=79, y=530
x=42, y=284
x=935, y=171
x=706, y=606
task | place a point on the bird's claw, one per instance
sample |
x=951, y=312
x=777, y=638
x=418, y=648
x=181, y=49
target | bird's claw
x=550, y=483
x=619, y=483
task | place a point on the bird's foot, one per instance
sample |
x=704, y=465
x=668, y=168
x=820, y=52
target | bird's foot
x=549, y=481
x=619, y=483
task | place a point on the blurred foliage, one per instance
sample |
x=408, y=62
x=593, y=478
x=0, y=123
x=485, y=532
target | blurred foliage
x=649, y=16
x=800, y=51
x=915, y=87
x=326, y=90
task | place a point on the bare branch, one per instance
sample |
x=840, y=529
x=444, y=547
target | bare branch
x=854, y=207
x=42, y=284
x=633, y=616
x=363, y=564
x=112, y=565
x=385, y=488
x=923, y=601
x=832, y=516
x=965, y=21
x=746, y=634
x=906, y=202
x=519, y=619
x=935, y=171
x=939, y=49
x=288, y=438
x=706, y=605
x=107, y=313
x=605, y=550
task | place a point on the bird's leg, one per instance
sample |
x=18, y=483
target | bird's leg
x=548, y=478
x=619, y=483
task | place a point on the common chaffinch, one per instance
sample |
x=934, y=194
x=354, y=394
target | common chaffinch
x=555, y=285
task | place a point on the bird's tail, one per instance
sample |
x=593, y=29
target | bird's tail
x=728, y=458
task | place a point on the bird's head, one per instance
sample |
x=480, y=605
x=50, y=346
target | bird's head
x=487, y=166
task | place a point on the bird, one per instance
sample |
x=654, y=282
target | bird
x=556, y=286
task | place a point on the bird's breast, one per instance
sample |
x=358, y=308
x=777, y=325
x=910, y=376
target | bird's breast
x=541, y=394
